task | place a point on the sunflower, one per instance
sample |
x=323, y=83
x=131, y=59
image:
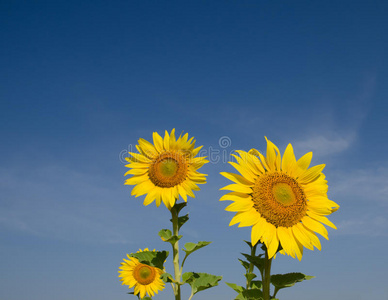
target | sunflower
x=145, y=278
x=283, y=199
x=166, y=169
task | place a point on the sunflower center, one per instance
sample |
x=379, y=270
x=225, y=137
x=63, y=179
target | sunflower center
x=168, y=170
x=279, y=199
x=144, y=274
x=283, y=193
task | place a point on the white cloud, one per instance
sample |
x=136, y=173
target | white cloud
x=367, y=184
x=328, y=144
x=367, y=226
x=60, y=203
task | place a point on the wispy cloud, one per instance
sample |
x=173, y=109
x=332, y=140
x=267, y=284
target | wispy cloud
x=376, y=226
x=325, y=144
x=65, y=204
x=363, y=184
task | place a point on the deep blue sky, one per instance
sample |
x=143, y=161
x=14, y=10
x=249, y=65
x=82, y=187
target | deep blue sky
x=81, y=82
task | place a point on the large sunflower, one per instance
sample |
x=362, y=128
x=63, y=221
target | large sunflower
x=145, y=278
x=166, y=169
x=283, y=199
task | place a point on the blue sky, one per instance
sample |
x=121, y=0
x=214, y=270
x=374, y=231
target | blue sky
x=81, y=82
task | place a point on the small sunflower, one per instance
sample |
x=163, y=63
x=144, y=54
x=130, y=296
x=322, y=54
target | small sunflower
x=145, y=278
x=166, y=169
x=283, y=199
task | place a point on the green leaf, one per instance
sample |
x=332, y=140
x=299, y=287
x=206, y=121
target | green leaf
x=254, y=294
x=244, y=264
x=191, y=247
x=182, y=220
x=281, y=281
x=257, y=261
x=257, y=284
x=166, y=236
x=200, y=281
x=167, y=277
x=236, y=287
x=250, y=276
x=179, y=206
x=151, y=258
x=249, y=244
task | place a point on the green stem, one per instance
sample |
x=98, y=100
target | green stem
x=175, y=251
x=251, y=266
x=267, y=276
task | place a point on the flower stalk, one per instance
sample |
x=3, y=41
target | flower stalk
x=267, y=276
x=175, y=247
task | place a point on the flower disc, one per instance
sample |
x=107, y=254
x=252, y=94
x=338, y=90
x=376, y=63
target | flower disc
x=168, y=170
x=279, y=199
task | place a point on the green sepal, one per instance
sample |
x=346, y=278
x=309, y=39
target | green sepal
x=236, y=287
x=151, y=258
x=281, y=281
x=200, y=281
x=253, y=294
x=146, y=298
x=257, y=261
x=191, y=247
x=167, y=277
x=166, y=236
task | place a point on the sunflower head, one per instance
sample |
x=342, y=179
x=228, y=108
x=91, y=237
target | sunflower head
x=165, y=169
x=145, y=278
x=283, y=199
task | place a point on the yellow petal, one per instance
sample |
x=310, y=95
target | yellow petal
x=182, y=192
x=148, y=149
x=250, y=162
x=274, y=244
x=237, y=178
x=244, y=171
x=242, y=205
x=273, y=156
x=158, y=142
x=238, y=188
x=285, y=241
x=140, y=158
x=246, y=218
x=262, y=158
x=136, y=179
x=321, y=219
x=289, y=161
x=302, y=237
x=172, y=139
x=311, y=174
x=315, y=226
x=310, y=235
x=235, y=196
x=136, y=172
x=257, y=231
x=166, y=141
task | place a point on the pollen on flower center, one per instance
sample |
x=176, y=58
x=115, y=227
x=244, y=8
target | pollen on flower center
x=279, y=199
x=144, y=274
x=168, y=170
